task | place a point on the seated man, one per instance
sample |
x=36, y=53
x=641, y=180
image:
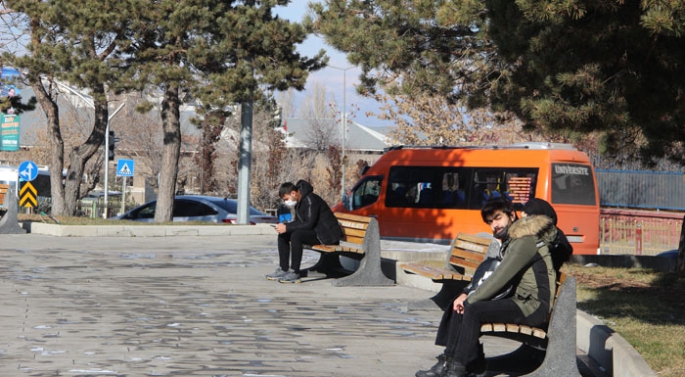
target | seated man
x=525, y=272
x=314, y=224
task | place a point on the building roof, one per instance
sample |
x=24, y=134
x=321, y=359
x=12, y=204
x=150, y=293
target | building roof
x=301, y=133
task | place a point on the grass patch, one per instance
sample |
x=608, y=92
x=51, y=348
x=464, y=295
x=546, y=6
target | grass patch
x=646, y=307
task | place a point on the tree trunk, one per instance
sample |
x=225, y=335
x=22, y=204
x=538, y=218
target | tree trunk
x=79, y=156
x=51, y=111
x=171, y=150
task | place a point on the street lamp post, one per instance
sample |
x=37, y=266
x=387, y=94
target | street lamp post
x=343, y=126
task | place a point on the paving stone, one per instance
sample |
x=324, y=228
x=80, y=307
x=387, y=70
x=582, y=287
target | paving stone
x=197, y=306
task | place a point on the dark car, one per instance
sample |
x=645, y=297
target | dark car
x=199, y=208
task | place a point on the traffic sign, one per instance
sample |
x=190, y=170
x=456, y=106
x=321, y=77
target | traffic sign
x=125, y=168
x=28, y=196
x=28, y=171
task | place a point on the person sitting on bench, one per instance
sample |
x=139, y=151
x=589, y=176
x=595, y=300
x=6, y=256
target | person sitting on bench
x=526, y=267
x=314, y=223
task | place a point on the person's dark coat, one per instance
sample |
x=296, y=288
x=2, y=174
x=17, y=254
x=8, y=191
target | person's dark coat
x=313, y=213
x=561, y=249
x=527, y=264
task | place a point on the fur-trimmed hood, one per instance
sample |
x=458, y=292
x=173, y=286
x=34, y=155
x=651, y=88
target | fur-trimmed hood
x=540, y=226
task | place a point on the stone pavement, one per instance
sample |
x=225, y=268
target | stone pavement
x=197, y=306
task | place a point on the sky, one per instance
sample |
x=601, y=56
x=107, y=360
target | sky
x=333, y=78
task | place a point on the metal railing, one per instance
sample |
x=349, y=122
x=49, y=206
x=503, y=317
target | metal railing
x=638, y=237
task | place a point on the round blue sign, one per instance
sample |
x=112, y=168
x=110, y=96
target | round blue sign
x=28, y=171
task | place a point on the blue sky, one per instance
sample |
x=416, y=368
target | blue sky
x=332, y=78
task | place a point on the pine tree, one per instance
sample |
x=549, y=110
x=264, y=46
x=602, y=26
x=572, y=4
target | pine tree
x=578, y=66
x=74, y=41
x=221, y=53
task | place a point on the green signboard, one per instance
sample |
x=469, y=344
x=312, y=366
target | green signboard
x=9, y=132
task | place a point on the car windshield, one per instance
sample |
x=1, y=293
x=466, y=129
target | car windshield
x=231, y=206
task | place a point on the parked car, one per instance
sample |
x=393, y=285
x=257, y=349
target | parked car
x=199, y=208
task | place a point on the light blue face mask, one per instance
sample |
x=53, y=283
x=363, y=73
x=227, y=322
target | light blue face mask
x=290, y=203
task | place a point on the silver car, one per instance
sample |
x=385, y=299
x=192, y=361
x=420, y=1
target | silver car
x=199, y=208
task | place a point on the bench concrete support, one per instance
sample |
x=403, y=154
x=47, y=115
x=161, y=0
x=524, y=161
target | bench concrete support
x=560, y=357
x=9, y=223
x=369, y=272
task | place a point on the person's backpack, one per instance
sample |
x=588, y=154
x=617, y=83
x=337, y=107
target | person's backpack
x=482, y=273
x=561, y=250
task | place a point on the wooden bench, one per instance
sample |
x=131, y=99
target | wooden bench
x=466, y=252
x=361, y=241
x=558, y=340
x=3, y=192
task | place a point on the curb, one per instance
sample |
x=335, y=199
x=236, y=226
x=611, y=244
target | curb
x=609, y=349
x=146, y=230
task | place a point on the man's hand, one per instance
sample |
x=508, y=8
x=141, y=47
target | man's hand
x=280, y=228
x=458, y=305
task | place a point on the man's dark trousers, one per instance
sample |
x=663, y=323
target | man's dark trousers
x=293, y=243
x=460, y=333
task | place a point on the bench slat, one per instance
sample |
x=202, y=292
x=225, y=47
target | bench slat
x=421, y=269
x=523, y=329
x=354, y=218
x=453, y=275
x=469, y=264
x=354, y=233
x=347, y=224
x=539, y=333
x=526, y=330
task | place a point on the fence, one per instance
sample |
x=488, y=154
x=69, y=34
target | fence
x=641, y=189
x=639, y=232
x=95, y=208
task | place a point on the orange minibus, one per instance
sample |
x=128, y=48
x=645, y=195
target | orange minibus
x=430, y=194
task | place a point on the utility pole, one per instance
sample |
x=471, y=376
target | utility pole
x=105, y=213
x=343, y=128
x=245, y=162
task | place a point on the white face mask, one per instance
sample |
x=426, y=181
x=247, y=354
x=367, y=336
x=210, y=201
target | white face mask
x=290, y=203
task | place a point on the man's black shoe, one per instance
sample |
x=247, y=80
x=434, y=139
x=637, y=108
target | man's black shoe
x=436, y=370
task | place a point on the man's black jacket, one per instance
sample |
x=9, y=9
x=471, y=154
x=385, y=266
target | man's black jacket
x=312, y=212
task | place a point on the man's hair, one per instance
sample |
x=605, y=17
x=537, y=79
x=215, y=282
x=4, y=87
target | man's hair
x=286, y=188
x=495, y=204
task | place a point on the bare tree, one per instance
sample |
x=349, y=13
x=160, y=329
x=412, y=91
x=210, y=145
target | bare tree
x=286, y=100
x=424, y=120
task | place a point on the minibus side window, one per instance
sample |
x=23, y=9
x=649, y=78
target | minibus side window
x=516, y=184
x=573, y=184
x=427, y=187
x=366, y=192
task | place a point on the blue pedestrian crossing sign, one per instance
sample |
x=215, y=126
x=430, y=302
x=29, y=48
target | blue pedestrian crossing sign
x=125, y=168
x=28, y=171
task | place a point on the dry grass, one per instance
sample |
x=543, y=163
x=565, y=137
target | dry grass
x=646, y=308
